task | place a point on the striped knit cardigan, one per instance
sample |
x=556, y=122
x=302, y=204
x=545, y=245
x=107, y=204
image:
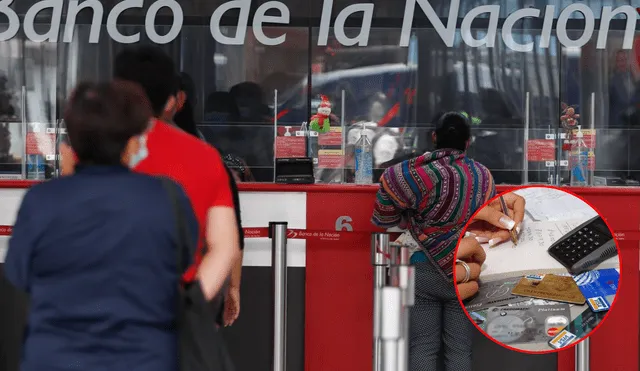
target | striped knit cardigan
x=436, y=194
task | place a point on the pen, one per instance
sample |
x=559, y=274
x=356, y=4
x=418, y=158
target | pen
x=505, y=211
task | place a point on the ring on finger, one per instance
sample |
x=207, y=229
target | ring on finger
x=467, y=270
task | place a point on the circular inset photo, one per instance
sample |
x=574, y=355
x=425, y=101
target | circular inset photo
x=537, y=270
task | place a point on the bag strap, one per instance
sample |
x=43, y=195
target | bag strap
x=184, y=241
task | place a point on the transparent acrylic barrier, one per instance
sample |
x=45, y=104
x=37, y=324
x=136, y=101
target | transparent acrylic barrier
x=28, y=151
x=251, y=143
x=399, y=88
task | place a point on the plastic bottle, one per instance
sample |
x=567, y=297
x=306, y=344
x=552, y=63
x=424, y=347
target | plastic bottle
x=36, y=167
x=364, y=159
x=579, y=160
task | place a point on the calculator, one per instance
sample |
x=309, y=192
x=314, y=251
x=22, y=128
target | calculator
x=585, y=247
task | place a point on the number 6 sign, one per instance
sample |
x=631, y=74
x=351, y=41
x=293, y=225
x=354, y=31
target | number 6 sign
x=343, y=223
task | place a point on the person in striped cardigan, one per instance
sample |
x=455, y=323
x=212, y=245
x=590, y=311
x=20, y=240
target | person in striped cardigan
x=433, y=196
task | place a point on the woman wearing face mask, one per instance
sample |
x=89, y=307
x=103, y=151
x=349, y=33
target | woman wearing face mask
x=96, y=250
x=433, y=196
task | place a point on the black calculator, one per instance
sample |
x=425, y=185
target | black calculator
x=585, y=247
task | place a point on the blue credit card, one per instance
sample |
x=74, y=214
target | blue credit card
x=598, y=283
x=598, y=304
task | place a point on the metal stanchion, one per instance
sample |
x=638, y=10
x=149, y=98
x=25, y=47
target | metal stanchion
x=278, y=235
x=405, y=281
x=391, y=303
x=582, y=355
x=380, y=261
x=390, y=329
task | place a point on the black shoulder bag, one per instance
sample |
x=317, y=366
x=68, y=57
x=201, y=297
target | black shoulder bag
x=200, y=345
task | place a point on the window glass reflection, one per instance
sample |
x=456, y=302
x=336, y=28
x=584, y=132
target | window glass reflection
x=604, y=86
x=239, y=94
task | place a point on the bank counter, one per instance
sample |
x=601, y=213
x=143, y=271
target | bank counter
x=329, y=305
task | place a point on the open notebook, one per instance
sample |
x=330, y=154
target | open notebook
x=530, y=256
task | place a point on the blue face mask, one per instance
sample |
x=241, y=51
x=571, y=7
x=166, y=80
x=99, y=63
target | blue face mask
x=143, y=152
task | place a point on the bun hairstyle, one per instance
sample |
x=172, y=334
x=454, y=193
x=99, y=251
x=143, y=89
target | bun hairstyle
x=453, y=131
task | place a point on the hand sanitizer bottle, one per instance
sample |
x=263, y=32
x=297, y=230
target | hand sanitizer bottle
x=364, y=159
x=579, y=160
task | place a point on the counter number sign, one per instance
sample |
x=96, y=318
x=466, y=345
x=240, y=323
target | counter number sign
x=343, y=223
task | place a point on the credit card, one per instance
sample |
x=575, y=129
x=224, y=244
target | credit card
x=563, y=339
x=551, y=287
x=580, y=327
x=598, y=304
x=532, y=324
x=494, y=294
x=598, y=283
x=585, y=322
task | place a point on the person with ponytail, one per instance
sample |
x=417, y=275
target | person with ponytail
x=433, y=196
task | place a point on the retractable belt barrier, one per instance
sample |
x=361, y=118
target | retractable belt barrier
x=393, y=297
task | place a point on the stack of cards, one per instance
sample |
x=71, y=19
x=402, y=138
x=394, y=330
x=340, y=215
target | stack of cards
x=599, y=288
x=537, y=308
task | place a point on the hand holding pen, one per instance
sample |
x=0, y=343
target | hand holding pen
x=512, y=231
x=499, y=220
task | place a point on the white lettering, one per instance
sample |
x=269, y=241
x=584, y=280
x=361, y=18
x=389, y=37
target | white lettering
x=490, y=39
x=14, y=21
x=547, y=27
x=589, y=25
x=54, y=27
x=362, y=39
x=605, y=19
x=281, y=15
x=260, y=17
x=325, y=19
x=150, y=20
x=72, y=14
x=507, y=29
x=112, y=22
x=241, y=29
x=447, y=34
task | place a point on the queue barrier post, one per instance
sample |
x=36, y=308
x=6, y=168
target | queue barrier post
x=582, y=355
x=390, y=329
x=380, y=262
x=278, y=236
x=405, y=281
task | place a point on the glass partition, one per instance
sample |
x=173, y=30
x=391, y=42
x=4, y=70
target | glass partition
x=255, y=102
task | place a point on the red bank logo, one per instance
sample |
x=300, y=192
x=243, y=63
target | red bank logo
x=292, y=234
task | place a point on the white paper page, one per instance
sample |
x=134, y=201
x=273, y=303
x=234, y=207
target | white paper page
x=552, y=204
x=530, y=255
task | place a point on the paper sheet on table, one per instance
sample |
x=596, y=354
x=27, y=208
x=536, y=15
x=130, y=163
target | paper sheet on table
x=552, y=204
x=530, y=256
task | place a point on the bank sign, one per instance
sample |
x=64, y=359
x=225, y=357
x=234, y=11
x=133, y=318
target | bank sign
x=279, y=15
